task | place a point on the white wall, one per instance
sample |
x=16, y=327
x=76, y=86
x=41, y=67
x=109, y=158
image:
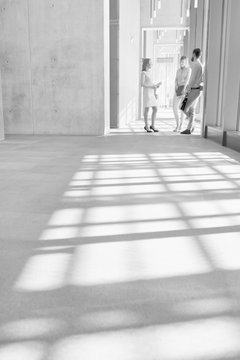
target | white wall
x=169, y=15
x=149, y=46
x=129, y=60
x=52, y=60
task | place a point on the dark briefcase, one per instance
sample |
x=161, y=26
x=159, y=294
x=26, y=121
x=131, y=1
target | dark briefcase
x=184, y=103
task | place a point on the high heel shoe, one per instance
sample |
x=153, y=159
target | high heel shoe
x=147, y=130
x=153, y=129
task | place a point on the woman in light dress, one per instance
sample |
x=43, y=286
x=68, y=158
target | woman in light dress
x=149, y=94
x=181, y=81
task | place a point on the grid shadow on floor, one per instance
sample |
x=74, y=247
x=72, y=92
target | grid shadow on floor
x=134, y=254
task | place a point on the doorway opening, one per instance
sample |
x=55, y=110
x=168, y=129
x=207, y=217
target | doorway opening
x=131, y=41
x=164, y=46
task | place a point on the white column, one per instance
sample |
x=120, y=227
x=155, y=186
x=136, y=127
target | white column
x=129, y=49
x=114, y=58
x=199, y=24
x=230, y=109
x=213, y=62
x=193, y=25
x=1, y=113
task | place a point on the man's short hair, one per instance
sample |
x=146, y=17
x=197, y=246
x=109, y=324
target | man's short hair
x=197, y=52
x=183, y=58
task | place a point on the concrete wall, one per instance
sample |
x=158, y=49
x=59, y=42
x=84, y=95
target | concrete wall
x=16, y=67
x=129, y=60
x=53, y=68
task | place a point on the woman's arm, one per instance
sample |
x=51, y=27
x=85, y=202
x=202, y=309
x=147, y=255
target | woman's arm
x=176, y=81
x=143, y=76
x=188, y=78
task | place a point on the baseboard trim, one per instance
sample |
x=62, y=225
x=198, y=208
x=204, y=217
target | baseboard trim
x=215, y=134
x=233, y=140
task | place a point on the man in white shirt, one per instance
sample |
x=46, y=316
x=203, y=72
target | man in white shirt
x=181, y=81
x=193, y=90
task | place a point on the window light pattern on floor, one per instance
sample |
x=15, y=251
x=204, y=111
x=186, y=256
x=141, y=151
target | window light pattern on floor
x=134, y=263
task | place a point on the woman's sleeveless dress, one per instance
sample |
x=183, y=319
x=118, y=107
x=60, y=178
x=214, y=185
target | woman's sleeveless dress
x=149, y=99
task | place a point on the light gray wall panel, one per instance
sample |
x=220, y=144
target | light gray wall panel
x=52, y=60
x=15, y=66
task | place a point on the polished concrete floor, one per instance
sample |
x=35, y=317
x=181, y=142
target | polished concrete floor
x=124, y=247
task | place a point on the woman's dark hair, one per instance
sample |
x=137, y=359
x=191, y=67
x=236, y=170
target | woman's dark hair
x=145, y=63
x=197, y=52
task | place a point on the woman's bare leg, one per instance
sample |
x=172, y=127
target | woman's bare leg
x=154, y=114
x=146, y=117
x=176, y=110
x=181, y=120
